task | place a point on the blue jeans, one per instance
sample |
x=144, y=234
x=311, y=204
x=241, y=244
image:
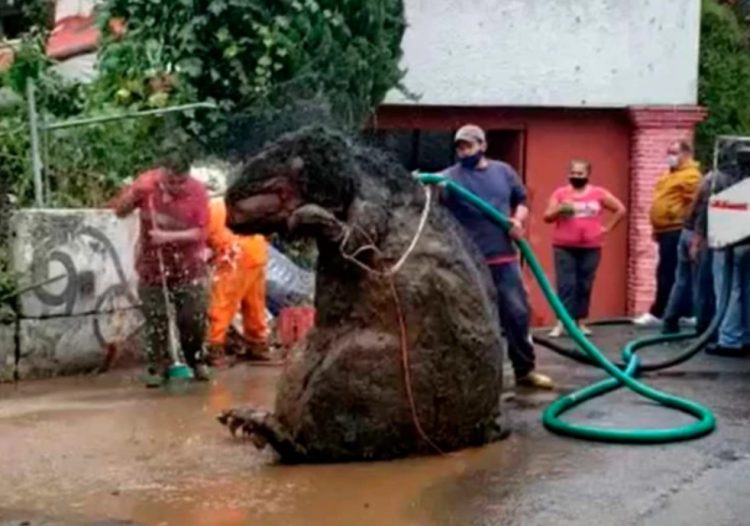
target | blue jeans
x=513, y=308
x=734, y=331
x=682, y=296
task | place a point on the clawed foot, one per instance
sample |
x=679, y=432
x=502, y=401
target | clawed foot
x=263, y=429
x=250, y=422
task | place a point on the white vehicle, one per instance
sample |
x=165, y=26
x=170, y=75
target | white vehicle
x=729, y=204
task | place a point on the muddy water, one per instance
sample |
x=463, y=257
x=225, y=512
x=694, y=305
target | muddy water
x=106, y=447
x=94, y=448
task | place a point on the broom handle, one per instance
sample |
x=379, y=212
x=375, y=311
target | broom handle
x=165, y=290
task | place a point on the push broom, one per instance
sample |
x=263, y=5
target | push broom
x=177, y=370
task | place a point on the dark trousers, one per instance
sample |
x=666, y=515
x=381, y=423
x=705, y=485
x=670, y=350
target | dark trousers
x=680, y=304
x=513, y=307
x=189, y=302
x=665, y=271
x=575, y=270
x=704, y=297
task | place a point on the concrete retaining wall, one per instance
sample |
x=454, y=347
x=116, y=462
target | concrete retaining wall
x=87, y=318
x=7, y=351
x=76, y=344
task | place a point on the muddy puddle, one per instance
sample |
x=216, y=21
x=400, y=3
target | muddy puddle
x=84, y=450
x=93, y=448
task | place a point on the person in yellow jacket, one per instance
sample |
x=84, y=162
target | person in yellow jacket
x=674, y=195
x=239, y=280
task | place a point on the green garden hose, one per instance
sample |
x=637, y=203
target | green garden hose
x=706, y=421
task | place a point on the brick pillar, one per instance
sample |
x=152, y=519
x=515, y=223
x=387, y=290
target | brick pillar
x=654, y=128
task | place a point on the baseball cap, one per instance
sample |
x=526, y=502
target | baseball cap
x=470, y=133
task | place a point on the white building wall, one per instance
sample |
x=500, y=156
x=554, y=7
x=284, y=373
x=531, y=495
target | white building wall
x=565, y=53
x=65, y=8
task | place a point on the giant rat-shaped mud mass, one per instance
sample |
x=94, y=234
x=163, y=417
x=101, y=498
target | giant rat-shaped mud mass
x=343, y=396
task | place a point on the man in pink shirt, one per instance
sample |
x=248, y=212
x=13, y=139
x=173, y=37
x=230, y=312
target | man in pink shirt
x=577, y=210
x=174, y=218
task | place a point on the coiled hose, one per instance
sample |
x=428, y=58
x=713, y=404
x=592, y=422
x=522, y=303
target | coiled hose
x=706, y=422
x=701, y=340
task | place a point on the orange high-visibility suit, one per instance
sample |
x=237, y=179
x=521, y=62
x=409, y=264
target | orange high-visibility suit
x=239, y=280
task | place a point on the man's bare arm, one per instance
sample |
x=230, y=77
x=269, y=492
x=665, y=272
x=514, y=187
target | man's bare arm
x=125, y=203
x=190, y=235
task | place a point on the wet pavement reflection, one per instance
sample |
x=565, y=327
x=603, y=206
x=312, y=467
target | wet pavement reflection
x=85, y=449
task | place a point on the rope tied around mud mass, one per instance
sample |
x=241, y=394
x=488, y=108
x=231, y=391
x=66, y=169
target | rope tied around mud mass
x=389, y=274
x=352, y=257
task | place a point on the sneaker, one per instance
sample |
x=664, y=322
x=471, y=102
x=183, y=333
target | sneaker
x=585, y=330
x=256, y=352
x=689, y=322
x=216, y=357
x=727, y=352
x=202, y=373
x=152, y=379
x=557, y=331
x=535, y=381
x=647, y=320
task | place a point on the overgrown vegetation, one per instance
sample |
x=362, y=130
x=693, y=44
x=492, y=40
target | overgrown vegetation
x=248, y=56
x=39, y=14
x=724, y=79
x=289, y=49
x=251, y=55
x=83, y=165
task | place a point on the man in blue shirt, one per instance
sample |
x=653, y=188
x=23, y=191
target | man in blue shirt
x=498, y=184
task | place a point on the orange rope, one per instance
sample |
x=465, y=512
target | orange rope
x=407, y=369
x=389, y=275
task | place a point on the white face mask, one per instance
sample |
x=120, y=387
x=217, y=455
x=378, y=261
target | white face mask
x=673, y=161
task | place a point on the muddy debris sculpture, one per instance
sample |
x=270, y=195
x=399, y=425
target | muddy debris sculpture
x=395, y=366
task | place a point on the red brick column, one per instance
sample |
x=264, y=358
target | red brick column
x=654, y=128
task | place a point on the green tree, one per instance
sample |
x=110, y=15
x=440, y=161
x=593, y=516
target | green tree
x=724, y=77
x=250, y=54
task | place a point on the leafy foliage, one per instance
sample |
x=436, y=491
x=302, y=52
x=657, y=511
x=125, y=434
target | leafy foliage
x=250, y=54
x=87, y=165
x=724, y=79
x=251, y=57
x=39, y=14
x=84, y=165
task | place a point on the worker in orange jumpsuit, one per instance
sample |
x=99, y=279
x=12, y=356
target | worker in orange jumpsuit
x=239, y=284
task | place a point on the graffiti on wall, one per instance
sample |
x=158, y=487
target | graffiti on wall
x=81, y=283
x=79, y=264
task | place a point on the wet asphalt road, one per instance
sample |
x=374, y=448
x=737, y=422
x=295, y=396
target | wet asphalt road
x=105, y=451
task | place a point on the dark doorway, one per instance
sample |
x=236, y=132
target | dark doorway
x=508, y=146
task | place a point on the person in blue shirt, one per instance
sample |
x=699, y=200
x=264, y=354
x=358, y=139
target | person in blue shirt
x=499, y=184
